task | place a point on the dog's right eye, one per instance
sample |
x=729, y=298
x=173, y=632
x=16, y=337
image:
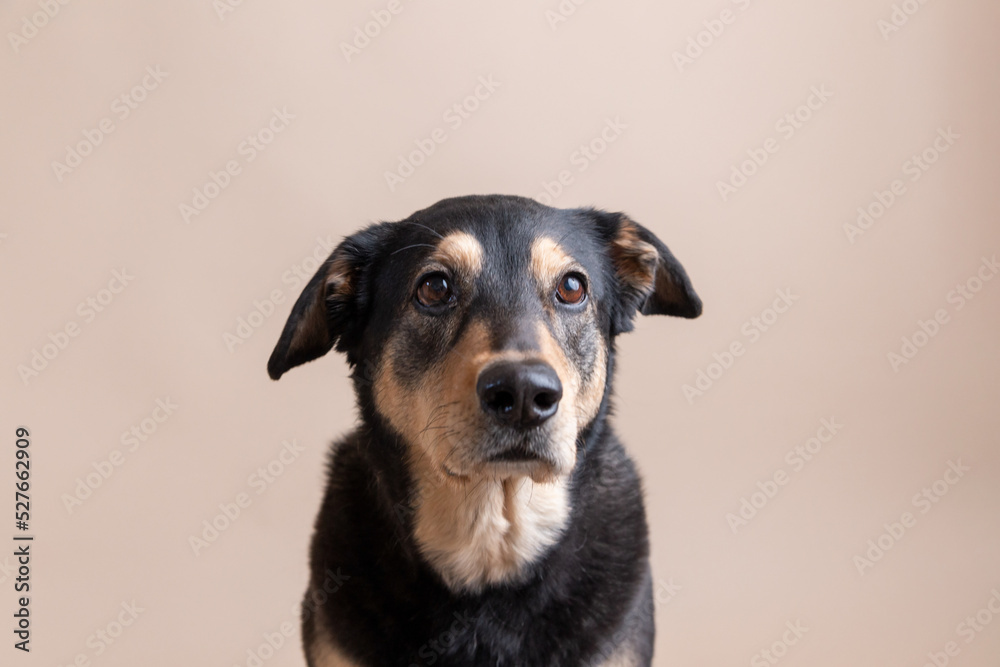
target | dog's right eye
x=434, y=291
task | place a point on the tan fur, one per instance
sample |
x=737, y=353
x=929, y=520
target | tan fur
x=625, y=656
x=485, y=530
x=621, y=649
x=430, y=417
x=312, y=331
x=461, y=252
x=549, y=262
x=323, y=652
x=635, y=259
x=579, y=403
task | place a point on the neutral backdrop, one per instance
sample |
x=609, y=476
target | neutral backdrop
x=118, y=115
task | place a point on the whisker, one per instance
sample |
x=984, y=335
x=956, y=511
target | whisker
x=415, y=245
x=437, y=234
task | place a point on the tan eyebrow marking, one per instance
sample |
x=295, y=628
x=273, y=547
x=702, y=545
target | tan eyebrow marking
x=460, y=251
x=548, y=261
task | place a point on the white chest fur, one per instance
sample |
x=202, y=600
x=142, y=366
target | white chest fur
x=483, y=531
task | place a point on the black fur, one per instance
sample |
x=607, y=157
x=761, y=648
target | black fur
x=592, y=590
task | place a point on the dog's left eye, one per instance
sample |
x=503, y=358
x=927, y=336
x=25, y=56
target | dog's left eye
x=572, y=290
x=434, y=290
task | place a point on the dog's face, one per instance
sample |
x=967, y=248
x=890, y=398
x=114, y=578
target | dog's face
x=480, y=333
x=480, y=329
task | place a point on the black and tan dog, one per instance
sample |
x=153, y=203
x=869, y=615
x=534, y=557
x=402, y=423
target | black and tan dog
x=483, y=513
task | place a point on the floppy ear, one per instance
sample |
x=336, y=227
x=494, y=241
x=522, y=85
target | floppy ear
x=331, y=308
x=651, y=279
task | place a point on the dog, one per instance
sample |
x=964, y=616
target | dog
x=483, y=512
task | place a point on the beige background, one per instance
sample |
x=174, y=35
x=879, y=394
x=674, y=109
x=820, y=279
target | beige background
x=163, y=336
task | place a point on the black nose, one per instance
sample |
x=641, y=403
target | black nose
x=520, y=393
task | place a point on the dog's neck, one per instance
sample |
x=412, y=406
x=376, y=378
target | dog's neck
x=480, y=531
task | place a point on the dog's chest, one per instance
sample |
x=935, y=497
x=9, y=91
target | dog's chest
x=488, y=531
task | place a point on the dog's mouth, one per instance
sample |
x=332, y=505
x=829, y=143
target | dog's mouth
x=526, y=456
x=516, y=454
x=522, y=457
x=524, y=449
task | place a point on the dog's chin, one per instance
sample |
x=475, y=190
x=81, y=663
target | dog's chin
x=521, y=459
x=539, y=471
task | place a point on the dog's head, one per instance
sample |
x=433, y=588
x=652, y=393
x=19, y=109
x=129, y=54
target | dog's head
x=480, y=329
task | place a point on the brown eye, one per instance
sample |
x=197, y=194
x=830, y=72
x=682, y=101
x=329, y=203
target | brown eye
x=571, y=289
x=434, y=290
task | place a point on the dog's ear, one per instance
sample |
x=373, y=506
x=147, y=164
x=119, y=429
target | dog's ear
x=650, y=278
x=331, y=309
